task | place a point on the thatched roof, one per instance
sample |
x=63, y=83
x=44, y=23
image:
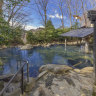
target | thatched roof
x=82, y=32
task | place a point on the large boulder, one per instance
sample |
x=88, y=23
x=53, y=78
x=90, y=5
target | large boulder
x=42, y=91
x=71, y=84
x=84, y=70
x=57, y=69
x=87, y=70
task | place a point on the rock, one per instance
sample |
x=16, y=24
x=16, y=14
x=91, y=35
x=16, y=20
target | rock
x=13, y=89
x=4, y=46
x=77, y=70
x=17, y=78
x=6, y=78
x=16, y=92
x=41, y=74
x=44, y=92
x=84, y=70
x=83, y=95
x=1, y=85
x=87, y=70
x=27, y=46
x=30, y=85
x=46, y=45
x=24, y=94
x=71, y=84
x=57, y=69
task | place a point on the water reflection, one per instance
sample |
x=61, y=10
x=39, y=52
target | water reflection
x=39, y=56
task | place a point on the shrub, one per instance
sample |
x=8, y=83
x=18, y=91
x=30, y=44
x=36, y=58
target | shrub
x=9, y=35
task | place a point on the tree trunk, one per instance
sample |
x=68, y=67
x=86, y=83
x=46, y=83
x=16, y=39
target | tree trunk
x=45, y=22
x=45, y=17
x=62, y=20
x=70, y=17
x=1, y=4
x=85, y=18
x=69, y=11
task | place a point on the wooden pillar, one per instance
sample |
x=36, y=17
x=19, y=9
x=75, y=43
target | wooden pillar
x=92, y=18
x=82, y=41
x=94, y=49
x=86, y=47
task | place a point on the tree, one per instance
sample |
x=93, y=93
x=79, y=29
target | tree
x=42, y=9
x=93, y=3
x=13, y=11
x=9, y=35
x=49, y=25
x=61, y=7
x=49, y=30
x=69, y=6
x=83, y=11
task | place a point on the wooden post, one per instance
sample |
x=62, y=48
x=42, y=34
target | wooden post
x=92, y=18
x=94, y=50
x=27, y=71
x=82, y=41
x=86, y=47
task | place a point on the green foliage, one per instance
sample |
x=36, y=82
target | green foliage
x=9, y=35
x=76, y=25
x=1, y=63
x=49, y=25
x=47, y=35
x=31, y=37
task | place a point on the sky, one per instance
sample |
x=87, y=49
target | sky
x=53, y=14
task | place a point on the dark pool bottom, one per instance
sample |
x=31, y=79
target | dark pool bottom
x=38, y=56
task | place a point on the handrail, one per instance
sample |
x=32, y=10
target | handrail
x=21, y=69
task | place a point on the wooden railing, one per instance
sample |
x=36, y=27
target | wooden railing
x=22, y=78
